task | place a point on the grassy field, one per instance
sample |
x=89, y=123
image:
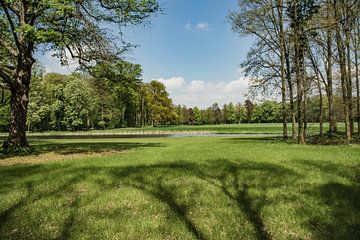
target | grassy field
x=181, y=188
x=252, y=128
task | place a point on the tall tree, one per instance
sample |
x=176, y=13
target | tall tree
x=266, y=61
x=70, y=28
x=299, y=13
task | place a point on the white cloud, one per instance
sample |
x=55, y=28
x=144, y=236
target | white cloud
x=203, y=26
x=196, y=86
x=237, y=85
x=173, y=83
x=204, y=94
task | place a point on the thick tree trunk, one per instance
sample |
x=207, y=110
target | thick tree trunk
x=19, y=101
x=17, y=129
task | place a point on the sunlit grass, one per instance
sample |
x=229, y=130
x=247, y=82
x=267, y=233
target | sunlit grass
x=244, y=128
x=183, y=188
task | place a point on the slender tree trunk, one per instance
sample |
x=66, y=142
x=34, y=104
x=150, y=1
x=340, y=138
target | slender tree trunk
x=321, y=115
x=299, y=64
x=356, y=46
x=305, y=104
x=282, y=59
x=291, y=95
x=329, y=90
x=343, y=74
x=349, y=83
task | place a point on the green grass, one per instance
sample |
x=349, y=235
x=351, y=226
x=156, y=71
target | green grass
x=183, y=188
x=252, y=128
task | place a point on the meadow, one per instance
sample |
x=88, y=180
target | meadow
x=181, y=188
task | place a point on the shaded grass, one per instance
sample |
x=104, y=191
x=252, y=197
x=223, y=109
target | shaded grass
x=69, y=147
x=185, y=188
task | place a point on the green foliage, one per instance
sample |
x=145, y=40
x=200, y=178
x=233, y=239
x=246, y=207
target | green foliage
x=79, y=103
x=267, y=112
x=69, y=25
x=197, y=115
x=158, y=103
x=4, y=109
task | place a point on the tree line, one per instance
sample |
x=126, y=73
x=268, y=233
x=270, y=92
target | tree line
x=303, y=49
x=108, y=96
x=114, y=96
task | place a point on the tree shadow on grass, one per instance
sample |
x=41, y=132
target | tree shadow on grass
x=243, y=184
x=233, y=180
x=343, y=220
x=81, y=148
x=271, y=139
x=220, y=174
x=342, y=201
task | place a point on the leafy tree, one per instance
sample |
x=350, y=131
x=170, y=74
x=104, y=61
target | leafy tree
x=217, y=113
x=249, y=107
x=267, y=112
x=69, y=28
x=231, y=113
x=240, y=113
x=159, y=103
x=39, y=110
x=122, y=81
x=197, y=115
x=191, y=116
x=79, y=103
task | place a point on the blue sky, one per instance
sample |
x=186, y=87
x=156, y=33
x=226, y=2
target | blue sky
x=191, y=49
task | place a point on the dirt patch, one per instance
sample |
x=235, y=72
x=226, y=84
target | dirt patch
x=52, y=157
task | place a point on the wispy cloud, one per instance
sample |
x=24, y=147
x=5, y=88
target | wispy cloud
x=203, y=26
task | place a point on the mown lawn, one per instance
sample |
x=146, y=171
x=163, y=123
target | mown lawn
x=181, y=188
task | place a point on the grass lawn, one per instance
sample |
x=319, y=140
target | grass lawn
x=181, y=188
x=252, y=128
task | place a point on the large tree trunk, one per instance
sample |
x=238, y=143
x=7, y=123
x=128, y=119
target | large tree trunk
x=17, y=129
x=19, y=88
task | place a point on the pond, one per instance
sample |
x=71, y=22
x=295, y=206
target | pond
x=170, y=135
